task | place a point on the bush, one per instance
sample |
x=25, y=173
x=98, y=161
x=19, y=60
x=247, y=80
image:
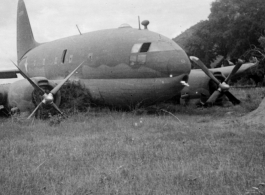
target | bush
x=75, y=98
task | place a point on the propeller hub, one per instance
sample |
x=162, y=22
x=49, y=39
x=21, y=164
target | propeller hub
x=47, y=98
x=224, y=87
x=184, y=83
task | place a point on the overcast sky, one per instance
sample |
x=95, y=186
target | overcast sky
x=54, y=19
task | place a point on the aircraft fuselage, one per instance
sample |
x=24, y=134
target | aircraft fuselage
x=108, y=54
x=122, y=66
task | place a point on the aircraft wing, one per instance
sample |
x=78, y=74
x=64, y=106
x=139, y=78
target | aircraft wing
x=199, y=81
x=8, y=74
x=226, y=70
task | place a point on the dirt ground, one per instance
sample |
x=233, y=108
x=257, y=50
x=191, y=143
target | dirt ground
x=257, y=116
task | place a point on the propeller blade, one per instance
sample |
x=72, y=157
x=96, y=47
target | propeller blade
x=213, y=97
x=235, y=69
x=256, y=61
x=57, y=88
x=232, y=98
x=35, y=110
x=55, y=106
x=30, y=80
x=204, y=68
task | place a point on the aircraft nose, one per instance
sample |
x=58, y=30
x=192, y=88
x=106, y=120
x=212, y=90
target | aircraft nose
x=178, y=64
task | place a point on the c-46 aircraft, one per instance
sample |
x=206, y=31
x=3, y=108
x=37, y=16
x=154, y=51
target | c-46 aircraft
x=120, y=67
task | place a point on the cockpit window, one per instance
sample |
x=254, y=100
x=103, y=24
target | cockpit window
x=161, y=46
x=141, y=47
x=136, y=47
x=154, y=47
x=145, y=47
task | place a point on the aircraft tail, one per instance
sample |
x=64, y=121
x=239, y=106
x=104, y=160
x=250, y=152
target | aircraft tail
x=25, y=38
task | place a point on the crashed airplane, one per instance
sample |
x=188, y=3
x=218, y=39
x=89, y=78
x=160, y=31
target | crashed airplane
x=120, y=67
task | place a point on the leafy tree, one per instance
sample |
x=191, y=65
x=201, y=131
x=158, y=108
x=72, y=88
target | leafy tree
x=237, y=25
x=255, y=74
x=233, y=27
x=197, y=41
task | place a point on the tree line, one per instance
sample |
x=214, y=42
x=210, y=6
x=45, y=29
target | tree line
x=234, y=29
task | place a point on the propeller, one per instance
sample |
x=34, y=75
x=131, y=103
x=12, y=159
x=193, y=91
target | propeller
x=48, y=98
x=222, y=87
x=30, y=81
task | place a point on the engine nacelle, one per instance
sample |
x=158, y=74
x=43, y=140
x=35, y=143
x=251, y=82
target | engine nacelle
x=20, y=94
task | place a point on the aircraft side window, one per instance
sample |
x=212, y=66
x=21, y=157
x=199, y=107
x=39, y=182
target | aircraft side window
x=70, y=58
x=63, y=56
x=90, y=56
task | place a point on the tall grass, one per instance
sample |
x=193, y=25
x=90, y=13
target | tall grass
x=182, y=151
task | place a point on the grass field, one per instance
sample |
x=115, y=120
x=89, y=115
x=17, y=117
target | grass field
x=177, y=150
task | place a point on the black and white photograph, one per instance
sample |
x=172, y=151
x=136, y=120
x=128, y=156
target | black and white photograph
x=132, y=97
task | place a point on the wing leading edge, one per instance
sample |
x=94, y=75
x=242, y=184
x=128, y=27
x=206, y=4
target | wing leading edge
x=227, y=70
x=8, y=74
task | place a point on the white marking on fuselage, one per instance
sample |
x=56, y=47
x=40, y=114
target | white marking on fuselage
x=184, y=83
x=26, y=65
